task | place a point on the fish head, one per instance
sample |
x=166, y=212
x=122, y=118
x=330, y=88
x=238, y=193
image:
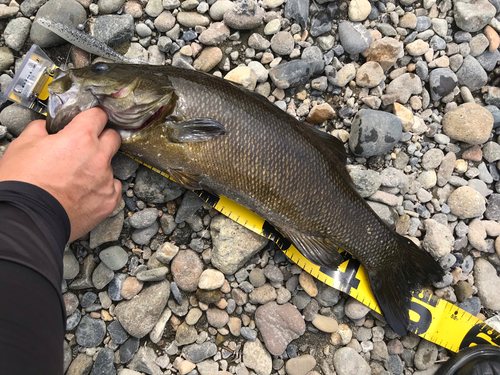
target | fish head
x=132, y=96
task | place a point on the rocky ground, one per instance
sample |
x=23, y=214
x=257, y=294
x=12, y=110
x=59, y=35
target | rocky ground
x=167, y=285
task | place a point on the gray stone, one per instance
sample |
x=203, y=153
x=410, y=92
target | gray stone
x=139, y=315
x=107, y=231
x=104, y=363
x=472, y=74
x=279, y=325
x=145, y=361
x=151, y=187
x=473, y=16
x=298, y=10
x=16, y=117
x=90, y=332
x=292, y=73
x=374, y=132
x=128, y=349
x=257, y=358
x=123, y=166
x=16, y=33
x=489, y=59
x=109, y=6
x=197, y=353
x=354, y=37
x=488, y=283
x=233, y=245
x=366, y=182
x=117, y=333
x=442, y=81
x=245, y=15
x=114, y=257
x=68, y=12
x=348, y=362
x=404, y=86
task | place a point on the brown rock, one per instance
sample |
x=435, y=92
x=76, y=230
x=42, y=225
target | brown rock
x=473, y=153
x=307, y=283
x=133, y=8
x=186, y=269
x=131, y=287
x=320, y=113
x=469, y=122
x=279, y=325
x=385, y=51
x=493, y=37
x=208, y=59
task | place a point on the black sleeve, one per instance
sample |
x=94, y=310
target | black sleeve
x=34, y=229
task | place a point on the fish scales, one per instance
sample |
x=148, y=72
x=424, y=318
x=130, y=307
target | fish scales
x=213, y=134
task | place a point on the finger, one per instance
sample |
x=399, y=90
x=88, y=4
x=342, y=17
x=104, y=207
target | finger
x=36, y=129
x=93, y=119
x=110, y=141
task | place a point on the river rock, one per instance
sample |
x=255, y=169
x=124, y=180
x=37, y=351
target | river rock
x=469, y=122
x=233, y=244
x=279, y=325
x=374, y=132
x=139, y=315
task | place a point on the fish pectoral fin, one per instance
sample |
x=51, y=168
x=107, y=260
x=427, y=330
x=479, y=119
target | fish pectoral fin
x=318, y=250
x=196, y=129
x=188, y=180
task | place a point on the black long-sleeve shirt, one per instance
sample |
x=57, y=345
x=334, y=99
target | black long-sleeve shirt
x=34, y=229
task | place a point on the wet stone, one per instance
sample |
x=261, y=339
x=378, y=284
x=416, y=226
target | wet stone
x=197, y=353
x=128, y=349
x=104, y=363
x=117, y=333
x=90, y=332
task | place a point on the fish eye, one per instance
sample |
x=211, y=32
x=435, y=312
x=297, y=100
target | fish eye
x=100, y=67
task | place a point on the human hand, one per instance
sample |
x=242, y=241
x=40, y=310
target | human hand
x=72, y=165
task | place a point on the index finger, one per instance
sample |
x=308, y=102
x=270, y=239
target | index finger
x=94, y=119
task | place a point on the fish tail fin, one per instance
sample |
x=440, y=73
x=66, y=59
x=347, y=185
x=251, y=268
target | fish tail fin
x=393, y=286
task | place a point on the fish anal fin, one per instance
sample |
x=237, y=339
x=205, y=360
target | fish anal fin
x=188, y=180
x=196, y=129
x=334, y=144
x=318, y=250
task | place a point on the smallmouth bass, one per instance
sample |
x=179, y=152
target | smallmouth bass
x=208, y=133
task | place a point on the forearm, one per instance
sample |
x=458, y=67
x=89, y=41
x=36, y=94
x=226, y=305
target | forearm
x=34, y=229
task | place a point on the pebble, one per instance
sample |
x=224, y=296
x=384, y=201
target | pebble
x=90, y=332
x=245, y=15
x=186, y=270
x=233, y=245
x=308, y=284
x=466, y=203
x=469, y=122
x=426, y=355
x=348, y=362
x=442, y=81
x=16, y=33
x=354, y=37
x=367, y=129
x=487, y=282
x=473, y=16
x=471, y=74
x=355, y=310
x=114, y=257
x=217, y=318
x=325, y=323
x=199, y=352
x=107, y=231
x=370, y=74
x=279, y=325
x=404, y=86
x=298, y=10
x=438, y=240
x=128, y=349
x=300, y=365
x=139, y=315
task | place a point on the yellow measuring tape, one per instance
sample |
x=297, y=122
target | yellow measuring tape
x=432, y=318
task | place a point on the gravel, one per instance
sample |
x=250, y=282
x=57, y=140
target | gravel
x=409, y=87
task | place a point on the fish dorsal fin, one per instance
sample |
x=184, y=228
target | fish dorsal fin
x=194, y=130
x=188, y=180
x=318, y=250
x=333, y=144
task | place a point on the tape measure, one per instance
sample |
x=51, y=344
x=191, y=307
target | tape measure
x=432, y=318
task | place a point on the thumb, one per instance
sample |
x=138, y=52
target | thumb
x=36, y=129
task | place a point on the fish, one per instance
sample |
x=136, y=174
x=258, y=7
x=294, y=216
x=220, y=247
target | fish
x=209, y=133
x=85, y=41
